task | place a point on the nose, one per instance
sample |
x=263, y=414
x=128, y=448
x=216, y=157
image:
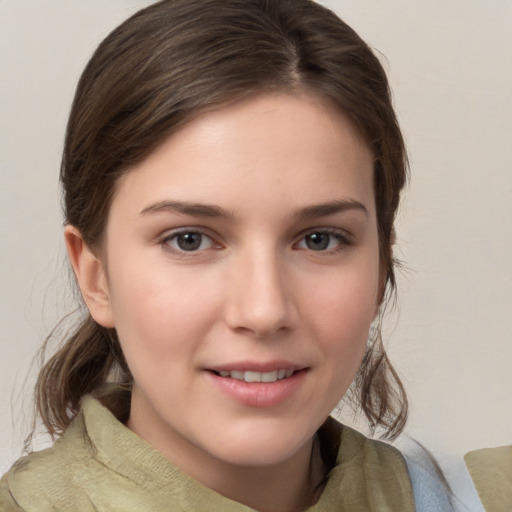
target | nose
x=261, y=300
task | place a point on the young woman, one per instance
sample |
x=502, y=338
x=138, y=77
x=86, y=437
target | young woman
x=231, y=174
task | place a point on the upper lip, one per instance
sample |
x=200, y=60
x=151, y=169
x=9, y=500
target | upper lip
x=254, y=366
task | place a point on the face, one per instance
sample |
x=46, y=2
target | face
x=242, y=274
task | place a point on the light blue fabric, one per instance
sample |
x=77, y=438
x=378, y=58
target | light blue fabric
x=431, y=494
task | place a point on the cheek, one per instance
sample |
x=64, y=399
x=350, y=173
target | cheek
x=160, y=314
x=342, y=313
x=346, y=303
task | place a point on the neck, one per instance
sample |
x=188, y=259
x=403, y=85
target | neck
x=289, y=486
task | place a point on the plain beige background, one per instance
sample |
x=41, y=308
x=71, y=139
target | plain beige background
x=450, y=66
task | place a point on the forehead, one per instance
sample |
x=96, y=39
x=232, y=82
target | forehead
x=299, y=147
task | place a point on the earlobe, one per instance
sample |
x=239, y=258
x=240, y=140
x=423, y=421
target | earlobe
x=91, y=276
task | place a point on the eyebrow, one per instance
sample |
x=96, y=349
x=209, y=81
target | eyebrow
x=186, y=208
x=213, y=211
x=331, y=208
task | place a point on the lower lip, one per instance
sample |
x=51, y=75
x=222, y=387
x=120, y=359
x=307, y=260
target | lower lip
x=259, y=394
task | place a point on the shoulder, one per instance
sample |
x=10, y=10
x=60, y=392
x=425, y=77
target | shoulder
x=430, y=490
x=45, y=480
x=367, y=475
x=376, y=456
x=413, y=480
x=7, y=501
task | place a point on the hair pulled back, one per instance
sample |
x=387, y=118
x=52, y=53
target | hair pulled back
x=165, y=65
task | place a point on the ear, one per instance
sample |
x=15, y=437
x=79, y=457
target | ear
x=91, y=276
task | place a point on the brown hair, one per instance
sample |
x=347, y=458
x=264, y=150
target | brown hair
x=178, y=58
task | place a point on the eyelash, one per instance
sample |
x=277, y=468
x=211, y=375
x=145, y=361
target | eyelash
x=343, y=241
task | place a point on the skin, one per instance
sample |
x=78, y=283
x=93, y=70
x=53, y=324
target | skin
x=261, y=288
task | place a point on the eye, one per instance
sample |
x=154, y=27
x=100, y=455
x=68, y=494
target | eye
x=188, y=241
x=323, y=240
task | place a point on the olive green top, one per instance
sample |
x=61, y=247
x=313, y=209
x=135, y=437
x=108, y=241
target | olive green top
x=491, y=471
x=101, y=465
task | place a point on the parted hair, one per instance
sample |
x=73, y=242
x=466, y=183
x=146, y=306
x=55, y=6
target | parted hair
x=170, y=62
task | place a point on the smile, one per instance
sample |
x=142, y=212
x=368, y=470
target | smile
x=255, y=388
x=252, y=376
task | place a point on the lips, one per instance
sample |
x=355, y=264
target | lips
x=259, y=385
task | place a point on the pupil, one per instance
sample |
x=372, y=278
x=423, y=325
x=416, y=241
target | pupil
x=317, y=241
x=189, y=241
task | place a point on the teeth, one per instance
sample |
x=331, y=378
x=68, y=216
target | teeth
x=250, y=376
x=268, y=376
